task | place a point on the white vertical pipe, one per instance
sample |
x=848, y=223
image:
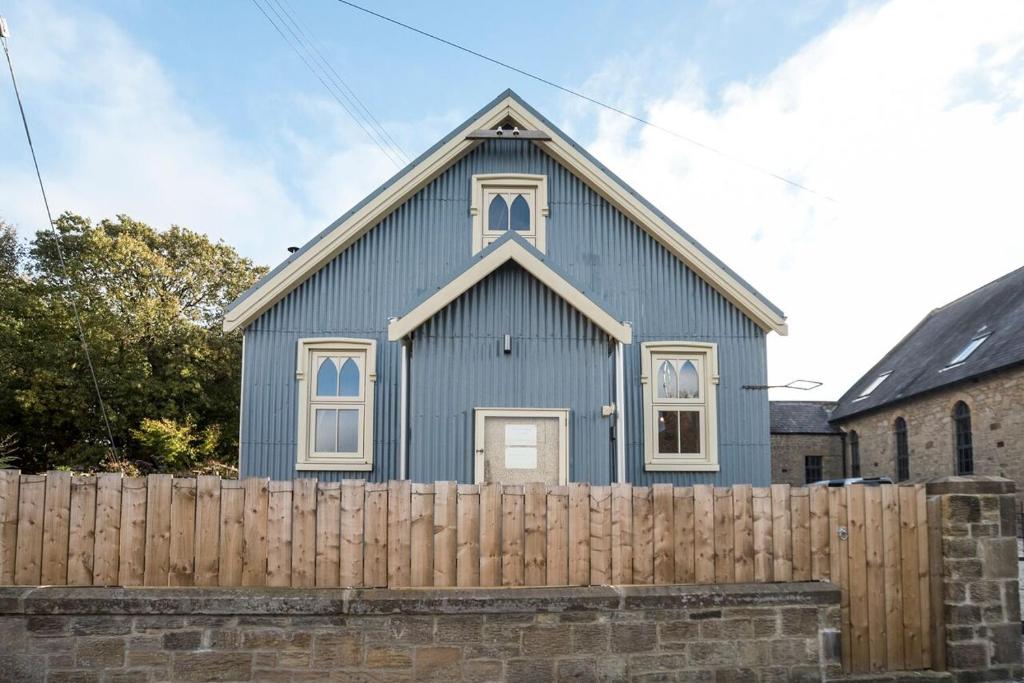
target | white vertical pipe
x=403, y=416
x=241, y=405
x=620, y=415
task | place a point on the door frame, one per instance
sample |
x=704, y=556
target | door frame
x=481, y=414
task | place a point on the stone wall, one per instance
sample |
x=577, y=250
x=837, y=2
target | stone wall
x=722, y=633
x=789, y=451
x=997, y=422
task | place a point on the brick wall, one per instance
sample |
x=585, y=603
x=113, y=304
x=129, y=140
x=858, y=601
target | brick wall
x=997, y=417
x=739, y=632
x=789, y=450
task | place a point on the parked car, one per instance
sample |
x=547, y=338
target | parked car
x=867, y=481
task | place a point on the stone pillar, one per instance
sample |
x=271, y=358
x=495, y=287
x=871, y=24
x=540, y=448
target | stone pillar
x=974, y=526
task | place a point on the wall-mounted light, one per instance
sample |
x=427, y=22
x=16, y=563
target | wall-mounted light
x=507, y=344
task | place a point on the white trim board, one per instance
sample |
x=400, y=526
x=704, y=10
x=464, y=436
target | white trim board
x=509, y=251
x=274, y=288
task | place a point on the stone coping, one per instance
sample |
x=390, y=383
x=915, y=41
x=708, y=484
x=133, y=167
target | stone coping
x=970, y=485
x=68, y=600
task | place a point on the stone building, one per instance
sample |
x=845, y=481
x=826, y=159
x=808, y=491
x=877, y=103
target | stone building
x=948, y=399
x=806, y=447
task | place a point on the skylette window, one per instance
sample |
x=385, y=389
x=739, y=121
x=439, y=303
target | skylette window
x=966, y=352
x=874, y=385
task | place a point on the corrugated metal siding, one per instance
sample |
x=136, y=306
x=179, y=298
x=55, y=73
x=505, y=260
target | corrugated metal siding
x=458, y=364
x=396, y=265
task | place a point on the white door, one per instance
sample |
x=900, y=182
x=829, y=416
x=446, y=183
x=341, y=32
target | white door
x=522, y=445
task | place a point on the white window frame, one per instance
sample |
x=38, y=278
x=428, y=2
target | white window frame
x=305, y=375
x=707, y=407
x=534, y=186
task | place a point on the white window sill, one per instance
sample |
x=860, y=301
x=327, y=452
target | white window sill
x=681, y=467
x=352, y=466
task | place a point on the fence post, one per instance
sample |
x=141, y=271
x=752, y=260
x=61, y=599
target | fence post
x=974, y=540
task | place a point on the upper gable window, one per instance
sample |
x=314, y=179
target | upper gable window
x=509, y=202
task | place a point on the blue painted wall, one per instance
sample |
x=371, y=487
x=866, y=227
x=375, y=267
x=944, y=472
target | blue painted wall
x=399, y=263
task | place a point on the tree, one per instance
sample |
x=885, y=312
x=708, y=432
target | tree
x=151, y=305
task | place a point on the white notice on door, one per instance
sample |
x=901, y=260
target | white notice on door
x=520, y=435
x=520, y=457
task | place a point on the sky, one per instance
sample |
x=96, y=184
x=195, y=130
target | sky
x=905, y=119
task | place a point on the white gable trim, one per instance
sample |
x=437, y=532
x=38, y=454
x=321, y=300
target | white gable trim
x=347, y=232
x=510, y=251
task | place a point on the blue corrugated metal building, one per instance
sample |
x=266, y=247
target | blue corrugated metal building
x=505, y=308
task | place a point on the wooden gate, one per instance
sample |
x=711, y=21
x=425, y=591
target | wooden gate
x=873, y=541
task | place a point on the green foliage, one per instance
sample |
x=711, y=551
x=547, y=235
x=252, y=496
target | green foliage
x=151, y=303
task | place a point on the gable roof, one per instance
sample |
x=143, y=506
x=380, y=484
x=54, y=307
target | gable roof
x=510, y=247
x=920, y=362
x=506, y=107
x=802, y=417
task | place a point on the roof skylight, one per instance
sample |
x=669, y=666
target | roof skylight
x=966, y=352
x=874, y=385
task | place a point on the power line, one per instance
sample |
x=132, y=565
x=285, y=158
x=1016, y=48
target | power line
x=588, y=98
x=60, y=250
x=290, y=12
x=389, y=154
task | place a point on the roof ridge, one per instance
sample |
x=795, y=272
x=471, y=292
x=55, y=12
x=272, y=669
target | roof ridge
x=978, y=289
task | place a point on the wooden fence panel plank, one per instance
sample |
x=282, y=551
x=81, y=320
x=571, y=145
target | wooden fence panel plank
x=558, y=535
x=158, y=529
x=232, y=532
x=782, y=534
x=743, y=531
x=861, y=650
x=207, y=531
x=421, y=543
x=936, y=635
x=328, y=534
x=399, y=533
x=9, y=483
x=800, y=507
x=254, y=531
x=108, y=529
x=279, y=534
x=664, y=535
x=375, y=536
x=912, y=628
x=82, y=538
x=874, y=556
x=132, y=563
x=446, y=519
x=839, y=564
x=763, y=541
x=725, y=541
x=894, y=654
x=512, y=536
x=468, y=535
x=535, y=534
x=29, y=554
x=579, y=534
x=183, y=532
x=923, y=574
x=682, y=528
x=704, y=533
x=622, y=534
x=353, y=524
x=643, y=536
x=56, y=528
x=600, y=535
x=820, y=560
x=490, y=534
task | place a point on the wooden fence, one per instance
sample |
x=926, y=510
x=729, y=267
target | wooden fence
x=161, y=530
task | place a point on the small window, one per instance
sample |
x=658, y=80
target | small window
x=964, y=439
x=679, y=381
x=966, y=352
x=509, y=203
x=874, y=385
x=854, y=455
x=812, y=469
x=335, y=404
x=902, y=450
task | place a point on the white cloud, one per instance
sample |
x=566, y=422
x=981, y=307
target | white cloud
x=910, y=114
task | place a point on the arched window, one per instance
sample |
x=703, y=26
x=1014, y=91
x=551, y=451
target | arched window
x=519, y=214
x=667, y=381
x=349, y=383
x=854, y=455
x=964, y=441
x=497, y=214
x=902, y=450
x=327, y=378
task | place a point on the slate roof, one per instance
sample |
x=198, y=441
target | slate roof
x=918, y=362
x=802, y=417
